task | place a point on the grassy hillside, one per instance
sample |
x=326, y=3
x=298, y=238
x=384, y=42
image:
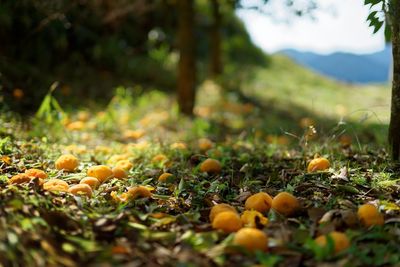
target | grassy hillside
x=288, y=87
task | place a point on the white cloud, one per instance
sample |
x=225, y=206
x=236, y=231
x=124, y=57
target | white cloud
x=339, y=26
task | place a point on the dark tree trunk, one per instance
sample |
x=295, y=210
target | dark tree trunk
x=215, y=40
x=187, y=54
x=394, y=128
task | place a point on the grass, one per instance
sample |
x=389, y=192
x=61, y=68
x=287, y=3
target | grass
x=261, y=146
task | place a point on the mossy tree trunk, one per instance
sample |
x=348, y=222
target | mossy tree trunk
x=187, y=57
x=215, y=40
x=394, y=128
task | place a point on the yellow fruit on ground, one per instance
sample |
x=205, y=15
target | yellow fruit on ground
x=318, y=164
x=133, y=134
x=36, y=173
x=139, y=192
x=56, y=185
x=285, y=203
x=369, y=215
x=261, y=202
x=340, y=240
x=20, y=179
x=227, y=221
x=83, y=115
x=160, y=158
x=215, y=210
x=253, y=218
x=165, y=177
x=179, y=146
x=211, y=166
x=101, y=172
x=124, y=164
x=76, y=126
x=67, y=163
x=90, y=181
x=81, y=189
x=205, y=144
x=115, y=158
x=252, y=239
x=119, y=173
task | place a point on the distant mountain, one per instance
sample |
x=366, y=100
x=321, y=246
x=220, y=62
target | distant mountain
x=353, y=68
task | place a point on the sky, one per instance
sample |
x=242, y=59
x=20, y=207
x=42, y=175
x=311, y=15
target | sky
x=340, y=25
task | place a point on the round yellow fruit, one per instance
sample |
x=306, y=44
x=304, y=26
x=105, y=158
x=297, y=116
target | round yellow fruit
x=252, y=239
x=340, y=240
x=20, y=179
x=124, y=164
x=211, y=166
x=101, y=172
x=215, y=210
x=369, y=215
x=164, y=177
x=119, y=173
x=318, y=164
x=138, y=192
x=227, y=221
x=56, y=185
x=67, y=163
x=81, y=189
x=90, y=181
x=36, y=173
x=285, y=203
x=261, y=202
x=205, y=144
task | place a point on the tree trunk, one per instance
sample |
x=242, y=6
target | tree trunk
x=215, y=40
x=187, y=54
x=394, y=128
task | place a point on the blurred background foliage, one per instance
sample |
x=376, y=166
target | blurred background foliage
x=90, y=46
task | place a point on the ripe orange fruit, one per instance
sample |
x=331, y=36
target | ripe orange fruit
x=261, y=202
x=227, y=221
x=285, y=203
x=36, y=173
x=119, y=173
x=340, y=240
x=318, y=164
x=20, y=179
x=179, y=146
x=139, y=192
x=90, y=181
x=253, y=218
x=81, y=189
x=124, y=164
x=67, y=163
x=165, y=177
x=56, y=185
x=211, y=166
x=205, y=144
x=369, y=215
x=252, y=239
x=215, y=210
x=160, y=158
x=101, y=172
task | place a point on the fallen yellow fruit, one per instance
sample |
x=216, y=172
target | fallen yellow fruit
x=227, y=221
x=67, y=163
x=285, y=203
x=252, y=239
x=369, y=215
x=318, y=164
x=340, y=240
x=211, y=166
x=261, y=202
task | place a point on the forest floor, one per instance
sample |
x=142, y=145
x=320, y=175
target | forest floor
x=262, y=146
